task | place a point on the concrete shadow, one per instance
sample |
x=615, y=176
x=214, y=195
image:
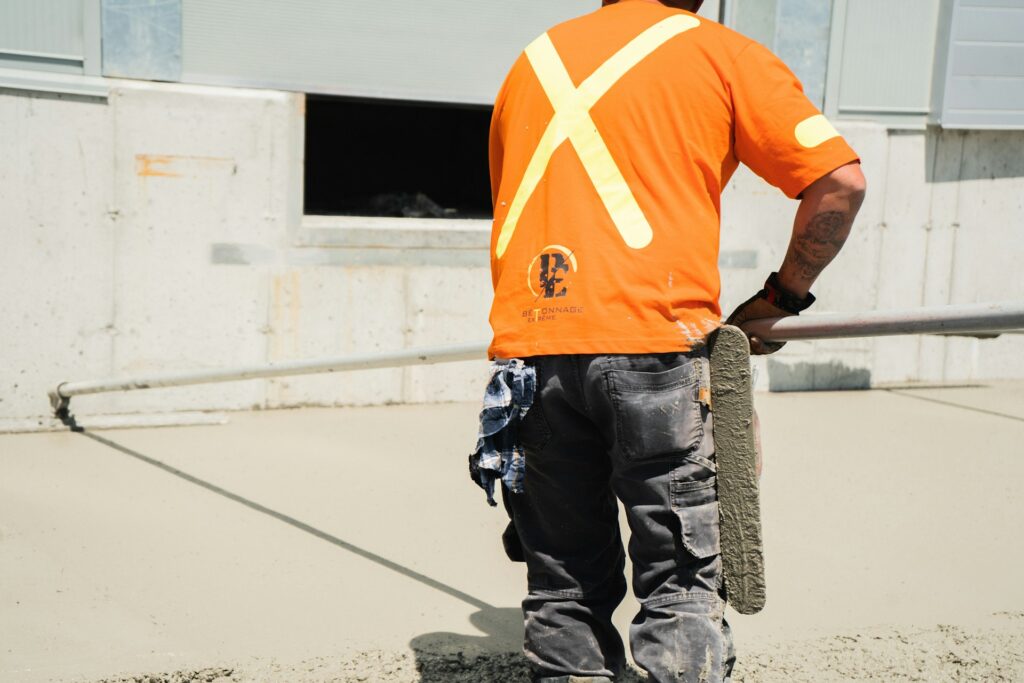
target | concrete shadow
x=907, y=393
x=441, y=657
x=955, y=155
x=830, y=376
x=302, y=526
x=496, y=656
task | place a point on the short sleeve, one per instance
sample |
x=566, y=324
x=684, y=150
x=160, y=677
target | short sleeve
x=779, y=134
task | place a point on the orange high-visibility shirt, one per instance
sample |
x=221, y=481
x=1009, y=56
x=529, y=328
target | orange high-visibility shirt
x=612, y=139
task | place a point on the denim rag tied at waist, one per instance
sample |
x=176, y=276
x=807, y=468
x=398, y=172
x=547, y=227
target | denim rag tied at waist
x=498, y=454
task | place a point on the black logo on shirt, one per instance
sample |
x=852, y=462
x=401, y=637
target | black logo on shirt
x=552, y=266
x=551, y=271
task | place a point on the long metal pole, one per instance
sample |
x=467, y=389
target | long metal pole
x=394, y=359
x=980, y=318
x=966, y=319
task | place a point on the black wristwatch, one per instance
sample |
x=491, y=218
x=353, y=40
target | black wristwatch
x=778, y=296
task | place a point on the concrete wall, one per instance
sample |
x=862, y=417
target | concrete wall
x=161, y=229
x=941, y=225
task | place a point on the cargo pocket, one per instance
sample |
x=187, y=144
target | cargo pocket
x=657, y=414
x=696, y=506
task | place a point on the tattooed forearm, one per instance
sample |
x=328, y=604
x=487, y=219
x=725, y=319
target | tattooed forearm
x=822, y=224
x=816, y=245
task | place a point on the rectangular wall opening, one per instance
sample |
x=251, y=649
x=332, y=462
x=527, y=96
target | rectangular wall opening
x=399, y=159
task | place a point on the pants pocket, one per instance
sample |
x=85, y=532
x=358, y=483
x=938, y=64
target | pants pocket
x=695, y=504
x=533, y=430
x=657, y=414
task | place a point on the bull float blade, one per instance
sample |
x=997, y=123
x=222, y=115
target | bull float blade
x=738, y=489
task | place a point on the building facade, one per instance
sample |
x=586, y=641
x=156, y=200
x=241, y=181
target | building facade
x=204, y=183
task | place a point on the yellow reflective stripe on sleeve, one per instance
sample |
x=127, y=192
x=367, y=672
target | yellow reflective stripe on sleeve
x=814, y=130
x=572, y=121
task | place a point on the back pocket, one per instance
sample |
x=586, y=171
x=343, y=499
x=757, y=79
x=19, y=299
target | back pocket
x=656, y=413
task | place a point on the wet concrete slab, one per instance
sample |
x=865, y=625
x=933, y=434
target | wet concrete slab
x=290, y=535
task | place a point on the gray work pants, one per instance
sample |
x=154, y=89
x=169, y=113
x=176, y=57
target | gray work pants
x=631, y=427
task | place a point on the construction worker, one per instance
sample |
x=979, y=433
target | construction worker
x=612, y=138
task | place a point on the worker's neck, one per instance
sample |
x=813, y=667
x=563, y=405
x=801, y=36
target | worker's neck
x=687, y=5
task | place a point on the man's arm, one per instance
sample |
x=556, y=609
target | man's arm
x=823, y=220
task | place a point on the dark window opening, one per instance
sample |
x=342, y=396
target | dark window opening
x=386, y=158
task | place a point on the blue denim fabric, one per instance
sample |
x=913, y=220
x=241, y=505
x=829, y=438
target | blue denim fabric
x=498, y=454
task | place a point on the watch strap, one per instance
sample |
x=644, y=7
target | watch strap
x=780, y=297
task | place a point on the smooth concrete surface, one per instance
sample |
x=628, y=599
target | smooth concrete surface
x=161, y=228
x=289, y=535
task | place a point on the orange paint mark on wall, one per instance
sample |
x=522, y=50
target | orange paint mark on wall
x=151, y=165
x=169, y=165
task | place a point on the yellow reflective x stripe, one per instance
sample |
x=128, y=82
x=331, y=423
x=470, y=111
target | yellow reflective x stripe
x=572, y=121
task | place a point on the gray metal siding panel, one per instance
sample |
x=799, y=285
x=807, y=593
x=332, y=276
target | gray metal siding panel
x=42, y=34
x=45, y=26
x=801, y=41
x=142, y=39
x=711, y=9
x=990, y=3
x=756, y=20
x=973, y=94
x=796, y=30
x=443, y=50
x=887, y=56
x=976, y=24
x=989, y=60
x=984, y=86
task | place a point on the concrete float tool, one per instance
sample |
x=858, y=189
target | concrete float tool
x=739, y=506
x=733, y=408
x=731, y=399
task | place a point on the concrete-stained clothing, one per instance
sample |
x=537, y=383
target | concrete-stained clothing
x=507, y=399
x=631, y=427
x=607, y=163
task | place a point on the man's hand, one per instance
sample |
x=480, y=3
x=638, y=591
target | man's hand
x=752, y=309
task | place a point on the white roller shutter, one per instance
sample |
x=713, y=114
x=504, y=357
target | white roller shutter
x=433, y=50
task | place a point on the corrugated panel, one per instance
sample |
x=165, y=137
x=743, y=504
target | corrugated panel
x=984, y=85
x=887, y=56
x=42, y=34
x=442, y=50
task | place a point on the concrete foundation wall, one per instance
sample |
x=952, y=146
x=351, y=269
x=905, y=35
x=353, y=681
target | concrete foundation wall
x=161, y=229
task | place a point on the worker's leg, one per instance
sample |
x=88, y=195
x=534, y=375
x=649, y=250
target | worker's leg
x=567, y=523
x=664, y=473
